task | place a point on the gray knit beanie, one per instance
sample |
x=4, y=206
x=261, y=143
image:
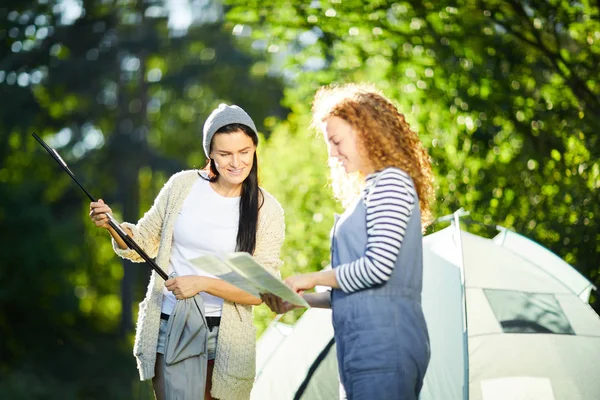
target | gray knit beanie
x=221, y=116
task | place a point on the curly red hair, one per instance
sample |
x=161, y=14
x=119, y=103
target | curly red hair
x=383, y=134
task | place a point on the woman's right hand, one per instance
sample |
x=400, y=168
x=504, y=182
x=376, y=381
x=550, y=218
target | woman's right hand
x=99, y=212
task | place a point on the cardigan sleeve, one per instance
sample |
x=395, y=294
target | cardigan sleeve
x=147, y=232
x=270, y=235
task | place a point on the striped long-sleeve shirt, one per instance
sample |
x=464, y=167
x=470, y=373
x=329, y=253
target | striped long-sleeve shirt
x=391, y=200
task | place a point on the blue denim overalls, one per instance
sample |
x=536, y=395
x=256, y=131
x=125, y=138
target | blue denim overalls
x=380, y=333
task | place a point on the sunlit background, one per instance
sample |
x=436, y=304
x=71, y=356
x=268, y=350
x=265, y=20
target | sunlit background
x=505, y=96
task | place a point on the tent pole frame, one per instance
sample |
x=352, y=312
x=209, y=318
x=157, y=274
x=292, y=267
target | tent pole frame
x=456, y=223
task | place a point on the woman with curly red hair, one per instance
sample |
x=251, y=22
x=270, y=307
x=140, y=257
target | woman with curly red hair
x=376, y=251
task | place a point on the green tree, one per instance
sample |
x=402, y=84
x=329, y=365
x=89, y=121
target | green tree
x=504, y=94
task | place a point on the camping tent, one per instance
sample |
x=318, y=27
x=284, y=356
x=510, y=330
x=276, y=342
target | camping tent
x=297, y=362
x=529, y=332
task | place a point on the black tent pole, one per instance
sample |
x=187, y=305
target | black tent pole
x=111, y=221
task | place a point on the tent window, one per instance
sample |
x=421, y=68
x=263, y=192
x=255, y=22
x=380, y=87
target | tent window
x=520, y=312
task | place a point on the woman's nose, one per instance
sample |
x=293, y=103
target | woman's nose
x=235, y=160
x=333, y=153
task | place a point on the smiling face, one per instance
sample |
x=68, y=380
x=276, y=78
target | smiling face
x=342, y=144
x=233, y=156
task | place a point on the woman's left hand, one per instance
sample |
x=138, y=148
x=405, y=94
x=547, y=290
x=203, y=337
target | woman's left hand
x=300, y=283
x=276, y=304
x=184, y=287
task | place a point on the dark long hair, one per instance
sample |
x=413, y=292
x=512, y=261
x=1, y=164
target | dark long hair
x=251, y=199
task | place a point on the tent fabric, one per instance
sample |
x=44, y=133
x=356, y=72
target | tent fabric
x=486, y=322
x=581, y=316
x=281, y=376
x=571, y=363
x=317, y=378
x=547, y=261
x=442, y=306
x=324, y=384
x=185, y=350
x=269, y=341
x=517, y=388
x=519, y=289
x=490, y=266
x=509, y=280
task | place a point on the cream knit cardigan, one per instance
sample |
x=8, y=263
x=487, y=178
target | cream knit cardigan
x=235, y=365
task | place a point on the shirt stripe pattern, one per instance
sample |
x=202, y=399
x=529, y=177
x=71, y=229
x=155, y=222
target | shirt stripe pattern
x=391, y=201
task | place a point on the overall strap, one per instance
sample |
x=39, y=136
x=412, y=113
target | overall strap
x=368, y=195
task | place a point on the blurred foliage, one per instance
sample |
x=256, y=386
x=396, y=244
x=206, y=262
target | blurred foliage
x=505, y=95
x=121, y=92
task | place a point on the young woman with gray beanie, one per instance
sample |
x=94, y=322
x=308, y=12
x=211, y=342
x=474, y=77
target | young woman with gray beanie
x=220, y=209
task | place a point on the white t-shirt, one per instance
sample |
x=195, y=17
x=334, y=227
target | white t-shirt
x=206, y=224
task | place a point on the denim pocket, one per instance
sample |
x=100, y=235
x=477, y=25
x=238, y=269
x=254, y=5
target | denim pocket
x=370, y=349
